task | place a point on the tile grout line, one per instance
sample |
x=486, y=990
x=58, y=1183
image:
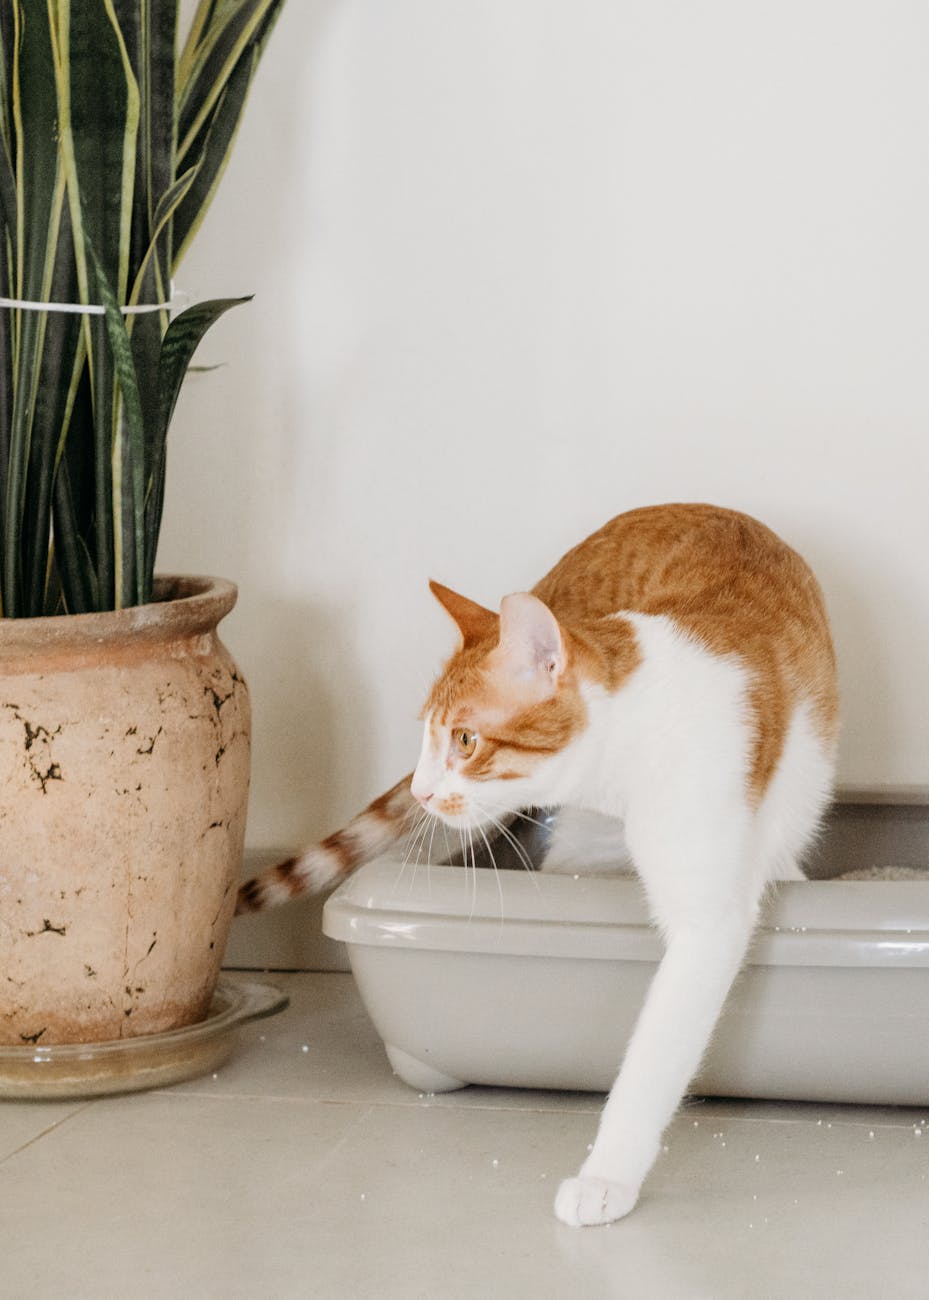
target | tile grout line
x=52, y=1128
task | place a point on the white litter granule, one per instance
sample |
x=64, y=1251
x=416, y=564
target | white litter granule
x=871, y=1134
x=918, y=1132
x=757, y=1157
x=305, y=1047
x=496, y=1164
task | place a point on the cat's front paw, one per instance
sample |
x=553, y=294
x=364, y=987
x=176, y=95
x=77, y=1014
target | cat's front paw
x=586, y=1202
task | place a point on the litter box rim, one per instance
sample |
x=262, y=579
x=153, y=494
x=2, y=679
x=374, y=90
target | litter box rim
x=833, y=923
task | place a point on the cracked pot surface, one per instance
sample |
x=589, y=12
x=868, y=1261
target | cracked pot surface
x=124, y=767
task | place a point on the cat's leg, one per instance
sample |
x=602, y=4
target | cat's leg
x=707, y=905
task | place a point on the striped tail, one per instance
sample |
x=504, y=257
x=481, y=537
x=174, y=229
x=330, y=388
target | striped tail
x=366, y=836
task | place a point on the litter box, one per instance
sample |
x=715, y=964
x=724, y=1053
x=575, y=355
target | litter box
x=534, y=978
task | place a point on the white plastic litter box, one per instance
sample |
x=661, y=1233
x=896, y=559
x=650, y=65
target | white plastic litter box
x=534, y=980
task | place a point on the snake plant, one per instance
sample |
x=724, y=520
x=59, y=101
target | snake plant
x=113, y=139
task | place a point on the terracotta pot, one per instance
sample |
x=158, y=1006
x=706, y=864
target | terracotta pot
x=124, y=766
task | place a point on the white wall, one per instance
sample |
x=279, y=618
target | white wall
x=522, y=265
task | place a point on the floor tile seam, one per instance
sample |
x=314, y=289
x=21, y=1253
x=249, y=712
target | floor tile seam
x=901, y=1126
x=444, y=1102
x=283, y=1098
x=428, y=1103
x=383, y=1103
x=47, y=1132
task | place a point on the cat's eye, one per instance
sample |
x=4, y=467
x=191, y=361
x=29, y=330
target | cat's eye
x=465, y=741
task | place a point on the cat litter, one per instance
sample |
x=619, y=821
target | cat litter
x=535, y=980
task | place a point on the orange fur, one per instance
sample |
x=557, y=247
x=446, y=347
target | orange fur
x=724, y=578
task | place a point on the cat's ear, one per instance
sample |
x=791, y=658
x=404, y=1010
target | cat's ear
x=531, y=645
x=475, y=623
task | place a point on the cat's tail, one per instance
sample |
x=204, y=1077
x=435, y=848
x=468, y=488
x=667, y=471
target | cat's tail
x=366, y=836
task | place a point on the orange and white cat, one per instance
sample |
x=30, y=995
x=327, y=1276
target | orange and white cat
x=674, y=671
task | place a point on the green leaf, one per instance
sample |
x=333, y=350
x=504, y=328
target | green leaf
x=229, y=37
x=7, y=172
x=211, y=97
x=149, y=28
x=61, y=364
x=213, y=153
x=75, y=567
x=178, y=346
x=102, y=134
x=39, y=196
x=128, y=451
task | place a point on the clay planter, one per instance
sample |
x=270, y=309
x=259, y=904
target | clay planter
x=124, y=765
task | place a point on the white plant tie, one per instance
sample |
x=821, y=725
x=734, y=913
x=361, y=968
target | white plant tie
x=94, y=309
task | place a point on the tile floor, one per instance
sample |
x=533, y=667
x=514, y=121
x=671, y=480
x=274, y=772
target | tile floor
x=315, y=1174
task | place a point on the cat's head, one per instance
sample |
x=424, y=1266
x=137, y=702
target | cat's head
x=502, y=712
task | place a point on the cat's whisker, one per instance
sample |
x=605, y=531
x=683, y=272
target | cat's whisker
x=574, y=840
x=506, y=834
x=445, y=837
x=408, y=846
x=411, y=840
x=417, y=839
x=425, y=843
x=519, y=849
x=522, y=816
x=435, y=827
x=461, y=850
x=493, y=863
x=473, y=872
x=421, y=828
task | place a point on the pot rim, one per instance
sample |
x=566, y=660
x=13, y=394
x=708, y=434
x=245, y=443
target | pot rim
x=184, y=606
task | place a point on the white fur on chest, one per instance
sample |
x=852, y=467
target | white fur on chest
x=677, y=732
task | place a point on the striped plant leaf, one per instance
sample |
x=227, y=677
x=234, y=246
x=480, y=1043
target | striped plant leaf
x=39, y=193
x=211, y=97
x=7, y=175
x=180, y=342
x=111, y=150
x=59, y=368
x=129, y=447
x=7, y=255
x=235, y=28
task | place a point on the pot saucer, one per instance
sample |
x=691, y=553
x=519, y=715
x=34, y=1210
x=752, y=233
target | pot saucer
x=133, y=1064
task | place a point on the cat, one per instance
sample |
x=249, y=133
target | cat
x=676, y=672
